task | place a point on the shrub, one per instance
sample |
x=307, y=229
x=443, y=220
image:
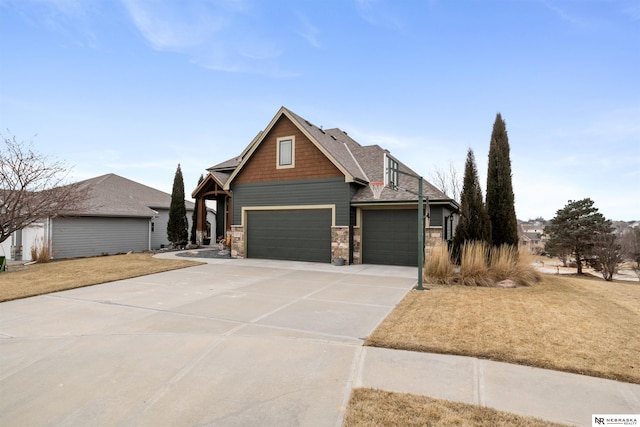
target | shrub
x=41, y=251
x=438, y=268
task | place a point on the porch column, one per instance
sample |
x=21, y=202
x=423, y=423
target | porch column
x=201, y=219
x=229, y=213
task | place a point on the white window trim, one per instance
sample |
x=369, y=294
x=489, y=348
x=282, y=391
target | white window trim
x=293, y=152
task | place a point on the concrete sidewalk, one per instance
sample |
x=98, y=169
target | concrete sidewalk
x=551, y=395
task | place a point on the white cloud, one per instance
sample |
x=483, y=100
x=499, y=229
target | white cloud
x=175, y=26
x=571, y=18
x=309, y=31
x=72, y=19
x=376, y=13
x=213, y=34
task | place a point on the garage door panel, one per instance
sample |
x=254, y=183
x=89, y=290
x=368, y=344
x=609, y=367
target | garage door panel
x=390, y=237
x=298, y=235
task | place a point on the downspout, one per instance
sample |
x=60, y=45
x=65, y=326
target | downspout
x=49, y=236
x=157, y=215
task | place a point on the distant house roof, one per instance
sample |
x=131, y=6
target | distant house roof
x=360, y=164
x=113, y=195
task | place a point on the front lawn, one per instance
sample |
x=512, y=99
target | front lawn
x=54, y=276
x=567, y=323
x=369, y=407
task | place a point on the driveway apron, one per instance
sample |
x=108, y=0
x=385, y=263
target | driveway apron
x=232, y=342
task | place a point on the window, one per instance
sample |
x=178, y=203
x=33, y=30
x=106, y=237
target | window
x=286, y=152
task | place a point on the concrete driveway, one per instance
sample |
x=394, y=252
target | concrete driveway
x=232, y=342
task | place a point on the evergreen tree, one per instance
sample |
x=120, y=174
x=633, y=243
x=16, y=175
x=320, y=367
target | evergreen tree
x=576, y=228
x=177, y=227
x=194, y=218
x=500, y=199
x=474, y=222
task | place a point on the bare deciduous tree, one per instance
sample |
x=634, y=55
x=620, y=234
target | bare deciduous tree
x=630, y=247
x=32, y=187
x=607, y=252
x=449, y=182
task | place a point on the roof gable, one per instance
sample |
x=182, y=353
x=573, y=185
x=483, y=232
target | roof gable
x=359, y=164
x=331, y=147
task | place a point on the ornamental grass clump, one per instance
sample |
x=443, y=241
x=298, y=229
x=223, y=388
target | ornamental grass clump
x=525, y=273
x=41, y=251
x=502, y=263
x=473, y=264
x=508, y=263
x=438, y=268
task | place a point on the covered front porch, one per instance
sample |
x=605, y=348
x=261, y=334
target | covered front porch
x=212, y=189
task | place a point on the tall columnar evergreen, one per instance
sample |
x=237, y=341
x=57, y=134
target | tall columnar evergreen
x=177, y=227
x=474, y=222
x=500, y=199
x=194, y=218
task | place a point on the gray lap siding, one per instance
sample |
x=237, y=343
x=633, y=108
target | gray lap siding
x=90, y=236
x=326, y=191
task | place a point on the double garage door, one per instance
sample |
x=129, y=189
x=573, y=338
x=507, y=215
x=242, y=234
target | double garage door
x=296, y=235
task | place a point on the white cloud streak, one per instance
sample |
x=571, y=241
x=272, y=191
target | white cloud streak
x=213, y=34
x=309, y=32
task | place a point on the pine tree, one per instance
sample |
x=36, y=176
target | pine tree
x=500, y=200
x=194, y=218
x=474, y=222
x=575, y=229
x=177, y=227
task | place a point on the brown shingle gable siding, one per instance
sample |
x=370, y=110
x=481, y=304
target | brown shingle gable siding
x=309, y=160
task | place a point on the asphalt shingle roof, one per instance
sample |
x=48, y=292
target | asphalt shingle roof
x=113, y=195
x=366, y=164
x=362, y=163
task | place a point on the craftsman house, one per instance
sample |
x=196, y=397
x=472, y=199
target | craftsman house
x=118, y=216
x=300, y=192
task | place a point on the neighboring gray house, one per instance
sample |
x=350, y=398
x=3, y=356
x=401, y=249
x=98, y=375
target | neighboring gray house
x=118, y=216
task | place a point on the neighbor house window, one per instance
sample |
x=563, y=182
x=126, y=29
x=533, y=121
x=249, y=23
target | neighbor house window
x=286, y=152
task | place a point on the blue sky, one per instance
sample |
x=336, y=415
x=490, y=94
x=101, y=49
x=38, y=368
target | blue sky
x=135, y=87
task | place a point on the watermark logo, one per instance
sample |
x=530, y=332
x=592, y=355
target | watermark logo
x=615, y=420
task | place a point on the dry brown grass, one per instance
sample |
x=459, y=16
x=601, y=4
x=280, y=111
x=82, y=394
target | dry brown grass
x=438, y=268
x=473, y=265
x=55, y=276
x=566, y=323
x=480, y=266
x=41, y=251
x=506, y=262
x=370, y=407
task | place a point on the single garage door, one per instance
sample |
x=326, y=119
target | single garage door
x=390, y=237
x=296, y=235
x=91, y=236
